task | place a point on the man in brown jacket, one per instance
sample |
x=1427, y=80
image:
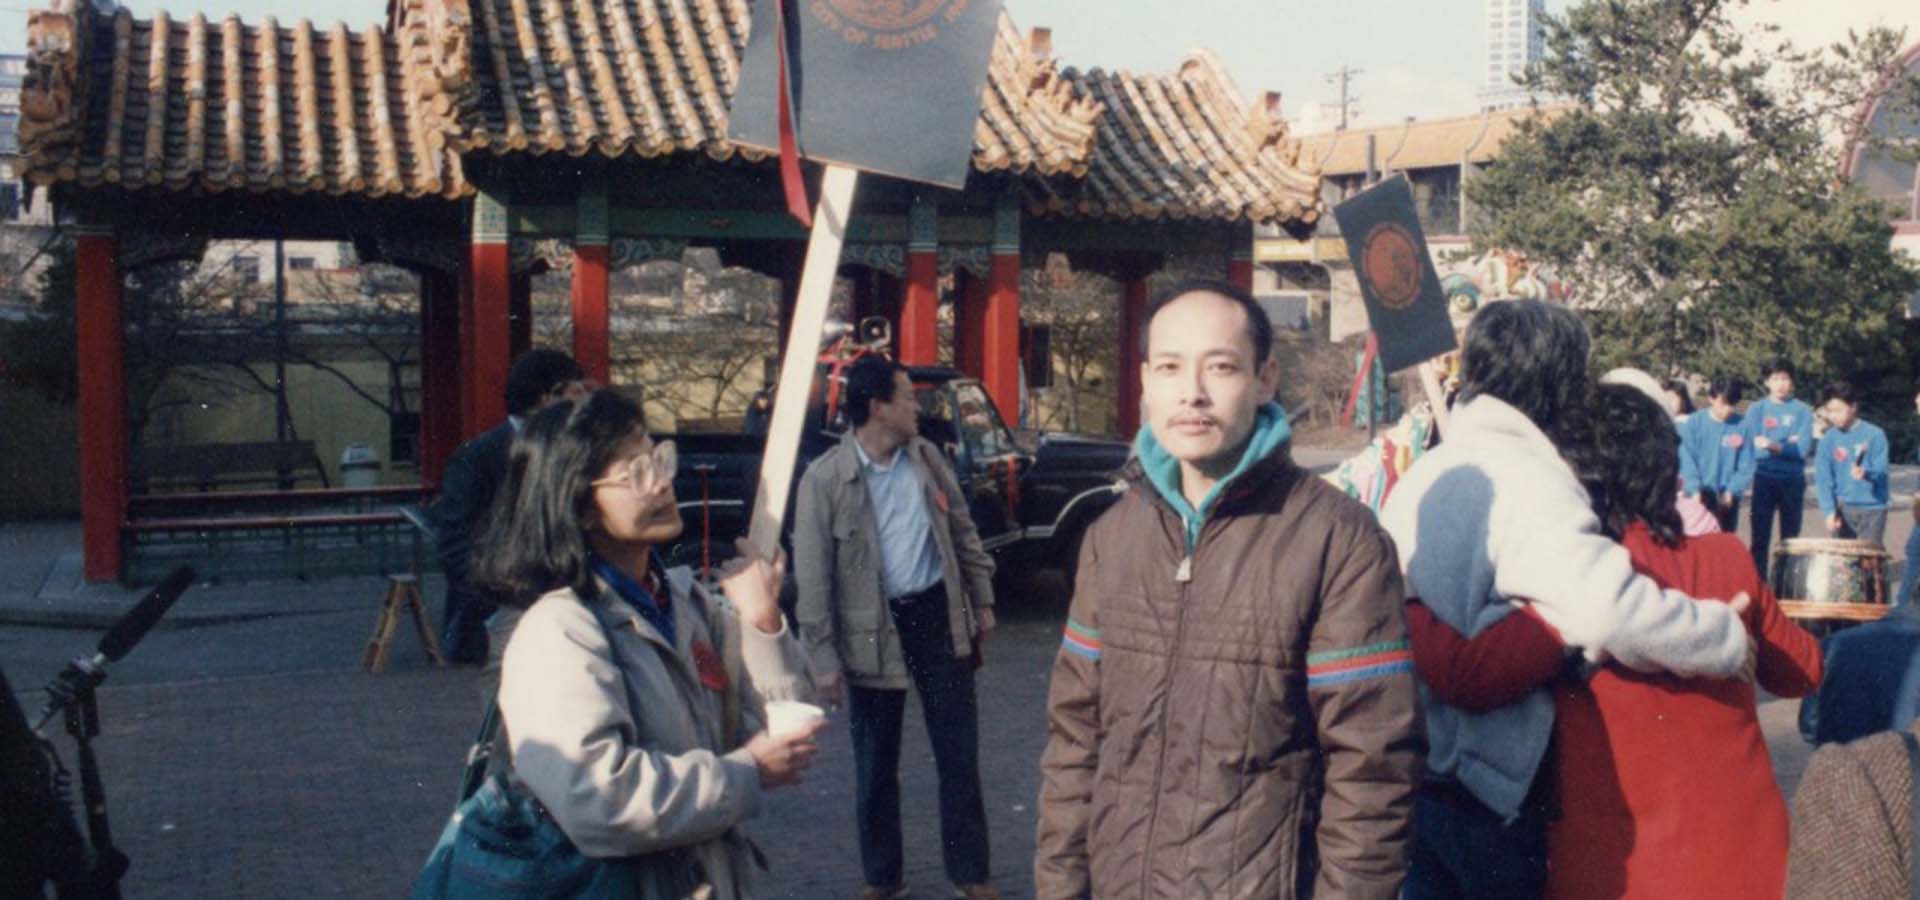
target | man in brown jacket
x=1233, y=709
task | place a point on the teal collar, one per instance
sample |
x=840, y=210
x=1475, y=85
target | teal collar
x=1270, y=432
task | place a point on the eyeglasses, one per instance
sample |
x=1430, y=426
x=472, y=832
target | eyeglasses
x=646, y=471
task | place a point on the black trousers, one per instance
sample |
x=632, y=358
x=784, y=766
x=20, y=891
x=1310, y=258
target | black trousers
x=1789, y=497
x=1727, y=514
x=945, y=683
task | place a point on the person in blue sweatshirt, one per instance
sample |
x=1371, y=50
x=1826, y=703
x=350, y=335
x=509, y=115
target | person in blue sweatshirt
x=1910, y=573
x=1716, y=455
x=1850, y=471
x=1780, y=428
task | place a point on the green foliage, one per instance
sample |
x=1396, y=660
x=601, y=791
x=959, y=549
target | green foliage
x=1691, y=194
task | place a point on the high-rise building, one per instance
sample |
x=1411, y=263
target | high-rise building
x=1514, y=39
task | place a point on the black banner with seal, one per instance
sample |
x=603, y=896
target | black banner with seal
x=890, y=87
x=1405, y=305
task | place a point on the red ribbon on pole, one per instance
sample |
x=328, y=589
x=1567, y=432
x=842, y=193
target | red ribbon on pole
x=790, y=181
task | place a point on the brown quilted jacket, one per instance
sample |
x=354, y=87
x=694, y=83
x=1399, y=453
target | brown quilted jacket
x=1248, y=730
x=1853, y=822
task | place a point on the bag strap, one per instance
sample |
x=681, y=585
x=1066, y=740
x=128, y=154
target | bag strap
x=1913, y=839
x=481, y=751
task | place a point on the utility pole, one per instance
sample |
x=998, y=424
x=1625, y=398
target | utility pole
x=1344, y=78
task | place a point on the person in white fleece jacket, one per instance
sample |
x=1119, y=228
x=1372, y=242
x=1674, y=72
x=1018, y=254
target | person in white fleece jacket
x=1494, y=517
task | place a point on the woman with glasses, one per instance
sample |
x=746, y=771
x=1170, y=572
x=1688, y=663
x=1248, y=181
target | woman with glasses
x=632, y=698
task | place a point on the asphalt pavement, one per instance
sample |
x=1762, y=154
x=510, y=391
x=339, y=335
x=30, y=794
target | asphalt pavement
x=246, y=755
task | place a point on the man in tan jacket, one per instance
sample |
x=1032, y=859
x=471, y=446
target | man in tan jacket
x=894, y=590
x=1233, y=710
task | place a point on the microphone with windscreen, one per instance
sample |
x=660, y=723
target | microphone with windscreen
x=87, y=672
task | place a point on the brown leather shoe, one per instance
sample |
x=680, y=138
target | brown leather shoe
x=980, y=891
x=896, y=892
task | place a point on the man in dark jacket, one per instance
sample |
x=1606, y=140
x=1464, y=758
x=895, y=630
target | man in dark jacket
x=1233, y=710
x=473, y=474
x=1872, y=680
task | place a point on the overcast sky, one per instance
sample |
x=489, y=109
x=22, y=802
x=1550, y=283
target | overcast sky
x=1417, y=57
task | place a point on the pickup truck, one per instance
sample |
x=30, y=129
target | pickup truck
x=1030, y=497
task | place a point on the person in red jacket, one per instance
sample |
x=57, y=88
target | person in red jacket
x=1665, y=786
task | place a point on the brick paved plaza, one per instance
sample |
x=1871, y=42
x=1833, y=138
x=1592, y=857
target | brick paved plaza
x=245, y=757
x=334, y=783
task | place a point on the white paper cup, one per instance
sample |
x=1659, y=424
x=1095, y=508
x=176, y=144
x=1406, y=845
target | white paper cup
x=788, y=716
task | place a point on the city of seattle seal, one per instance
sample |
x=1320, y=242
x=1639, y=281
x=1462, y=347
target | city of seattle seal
x=1390, y=264
x=887, y=24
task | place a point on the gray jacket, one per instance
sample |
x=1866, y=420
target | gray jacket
x=842, y=610
x=645, y=766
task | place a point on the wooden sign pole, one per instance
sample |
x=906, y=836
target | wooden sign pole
x=797, y=364
x=1436, y=397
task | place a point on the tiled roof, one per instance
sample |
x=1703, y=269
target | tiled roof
x=389, y=111
x=1185, y=146
x=1415, y=144
x=549, y=69
x=109, y=99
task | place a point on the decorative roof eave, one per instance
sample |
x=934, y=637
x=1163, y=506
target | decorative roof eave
x=1183, y=147
x=652, y=79
x=53, y=95
x=157, y=123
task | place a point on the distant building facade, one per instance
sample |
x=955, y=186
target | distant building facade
x=1514, y=39
x=1875, y=164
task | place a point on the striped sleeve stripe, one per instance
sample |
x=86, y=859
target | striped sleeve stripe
x=1359, y=663
x=1081, y=641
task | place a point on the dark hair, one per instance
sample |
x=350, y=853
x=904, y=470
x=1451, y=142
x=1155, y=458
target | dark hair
x=1839, y=390
x=535, y=540
x=1630, y=463
x=1781, y=364
x=1726, y=387
x=536, y=373
x=870, y=378
x=1259, y=326
x=1680, y=389
x=1533, y=356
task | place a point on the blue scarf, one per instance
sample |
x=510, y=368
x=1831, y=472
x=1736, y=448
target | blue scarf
x=657, y=613
x=1270, y=430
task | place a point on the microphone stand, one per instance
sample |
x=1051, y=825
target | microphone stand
x=73, y=692
x=76, y=686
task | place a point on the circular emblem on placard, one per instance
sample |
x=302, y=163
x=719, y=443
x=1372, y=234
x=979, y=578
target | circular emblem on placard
x=888, y=24
x=1390, y=262
x=888, y=15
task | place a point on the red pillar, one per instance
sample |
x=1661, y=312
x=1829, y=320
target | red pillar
x=1240, y=263
x=970, y=324
x=920, y=304
x=101, y=345
x=483, y=369
x=592, y=326
x=1133, y=308
x=1000, y=351
x=439, y=373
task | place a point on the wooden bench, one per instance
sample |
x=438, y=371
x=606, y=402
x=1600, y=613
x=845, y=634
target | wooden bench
x=294, y=502
x=203, y=467
x=235, y=546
